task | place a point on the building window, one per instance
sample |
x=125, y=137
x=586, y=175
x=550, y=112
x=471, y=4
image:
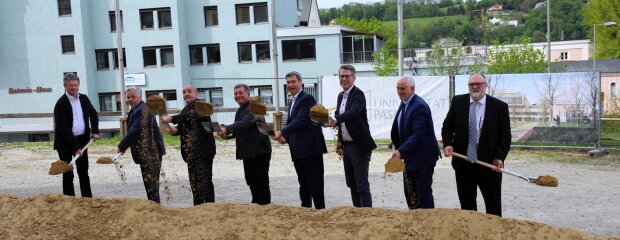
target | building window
x=64, y=7
x=149, y=56
x=210, y=16
x=260, y=13
x=613, y=89
x=146, y=19
x=262, y=51
x=298, y=49
x=243, y=13
x=109, y=102
x=102, y=59
x=264, y=92
x=169, y=95
x=68, y=45
x=164, y=18
x=167, y=56
x=195, y=55
x=213, y=53
x=115, y=57
x=112, y=15
x=245, y=52
x=564, y=56
x=215, y=96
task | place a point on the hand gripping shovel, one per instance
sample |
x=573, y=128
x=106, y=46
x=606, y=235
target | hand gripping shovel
x=107, y=160
x=60, y=166
x=549, y=181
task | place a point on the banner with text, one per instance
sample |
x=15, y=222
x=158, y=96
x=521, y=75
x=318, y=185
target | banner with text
x=382, y=100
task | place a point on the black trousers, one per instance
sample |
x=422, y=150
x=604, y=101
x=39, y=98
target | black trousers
x=201, y=179
x=81, y=164
x=310, y=174
x=256, y=171
x=418, y=188
x=471, y=176
x=150, y=176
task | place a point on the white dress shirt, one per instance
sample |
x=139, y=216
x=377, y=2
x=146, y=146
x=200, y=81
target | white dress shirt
x=479, y=107
x=78, y=126
x=343, y=128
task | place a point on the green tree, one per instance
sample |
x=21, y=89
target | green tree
x=607, y=38
x=386, y=63
x=446, y=60
x=521, y=58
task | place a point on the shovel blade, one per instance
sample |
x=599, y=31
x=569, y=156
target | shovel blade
x=59, y=167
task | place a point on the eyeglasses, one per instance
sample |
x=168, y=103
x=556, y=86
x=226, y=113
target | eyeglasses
x=345, y=76
x=476, y=84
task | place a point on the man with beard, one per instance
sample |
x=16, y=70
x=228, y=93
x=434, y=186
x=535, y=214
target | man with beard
x=252, y=147
x=144, y=138
x=197, y=147
x=306, y=143
x=478, y=125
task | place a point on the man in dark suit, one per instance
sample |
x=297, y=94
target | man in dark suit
x=253, y=147
x=413, y=136
x=74, y=116
x=144, y=138
x=197, y=147
x=306, y=142
x=354, y=136
x=478, y=125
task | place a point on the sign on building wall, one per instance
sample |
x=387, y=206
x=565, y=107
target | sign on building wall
x=382, y=101
x=135, y=79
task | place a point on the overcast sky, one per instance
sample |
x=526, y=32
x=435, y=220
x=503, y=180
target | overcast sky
x=339, y=3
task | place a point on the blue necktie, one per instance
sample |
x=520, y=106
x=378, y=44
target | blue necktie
x=402, y=110
x=472, y=147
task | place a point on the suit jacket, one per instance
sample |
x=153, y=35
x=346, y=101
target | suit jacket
x=304, y=138
x=250, y=142
x=143, y=136
x=64, y=141
x=355, y=119
x=196, y=142
x=417, y=144
x=494, y=142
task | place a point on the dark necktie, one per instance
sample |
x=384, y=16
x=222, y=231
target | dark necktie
x=402, y=110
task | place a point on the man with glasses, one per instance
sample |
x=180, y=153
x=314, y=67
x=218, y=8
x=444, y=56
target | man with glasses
x=477, y=125
x=354, y=136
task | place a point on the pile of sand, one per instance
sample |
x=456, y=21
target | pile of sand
x=60, y=217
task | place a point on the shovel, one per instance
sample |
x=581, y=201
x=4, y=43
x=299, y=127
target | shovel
x=107, y=160
x=549, y=181
x=60, y=166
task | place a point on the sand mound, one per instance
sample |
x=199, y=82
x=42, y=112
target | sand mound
x=60, y=217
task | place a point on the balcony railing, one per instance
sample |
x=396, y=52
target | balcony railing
x=416, y=53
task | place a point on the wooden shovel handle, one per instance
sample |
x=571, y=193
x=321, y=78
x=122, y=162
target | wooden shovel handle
x=477, y=161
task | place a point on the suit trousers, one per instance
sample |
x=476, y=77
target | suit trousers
x=310, y=174
x=356, y=161
x=471, y=176
x=418, y=187
x=150, y=176
x=81, y=165
x=201, y=179
x=256, y=170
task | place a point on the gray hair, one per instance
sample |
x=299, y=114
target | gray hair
x=192, y=86
x=482, y=75
x=294, y=73
x=134, y=89
x=410, y=81
x=244, y=86
x=70, y=77
x=348, y=67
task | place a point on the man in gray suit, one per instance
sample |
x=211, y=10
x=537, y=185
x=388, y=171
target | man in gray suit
x=252, y=147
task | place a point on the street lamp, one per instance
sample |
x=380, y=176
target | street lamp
x=600, y=100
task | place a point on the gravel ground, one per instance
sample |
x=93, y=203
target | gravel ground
x=586, y=199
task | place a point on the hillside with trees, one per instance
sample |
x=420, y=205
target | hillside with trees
x=468, y=21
